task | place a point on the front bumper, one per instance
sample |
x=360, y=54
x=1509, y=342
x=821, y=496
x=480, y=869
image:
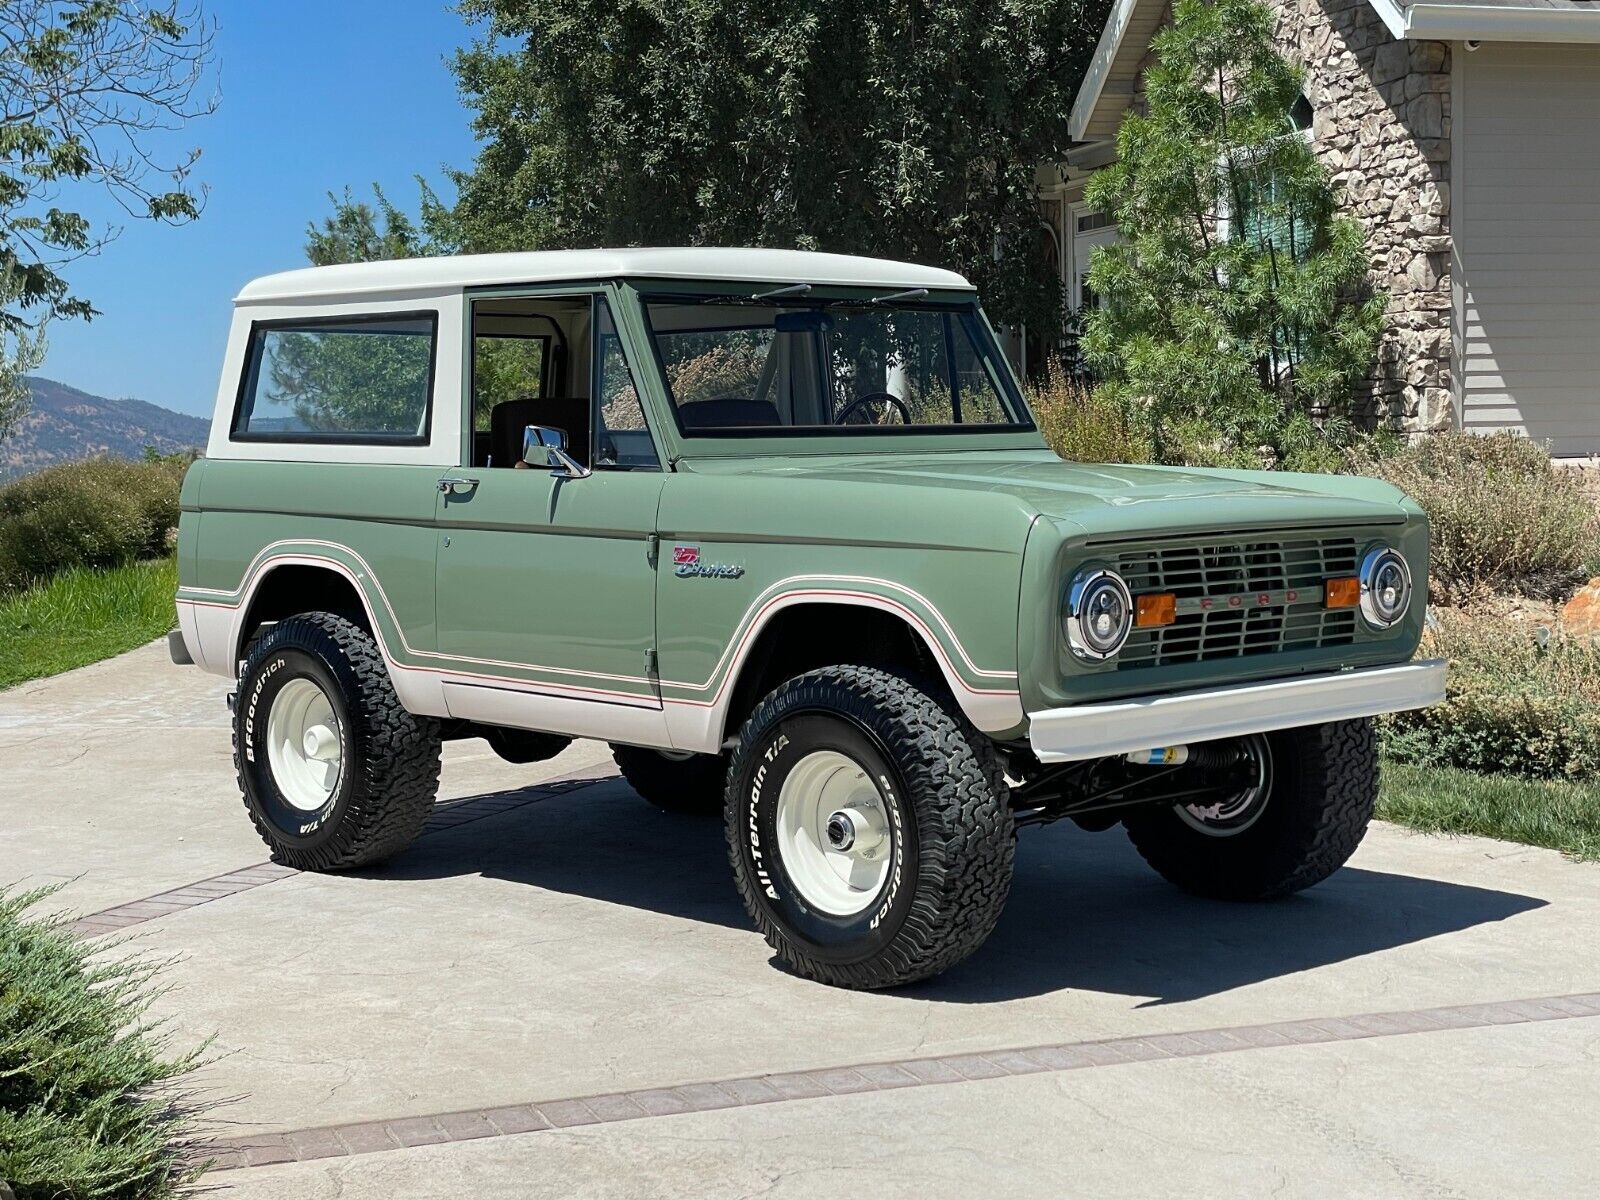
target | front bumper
x=1098, y=730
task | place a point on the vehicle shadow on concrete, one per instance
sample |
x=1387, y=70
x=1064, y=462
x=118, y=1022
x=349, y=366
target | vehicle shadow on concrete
x=1085, y=912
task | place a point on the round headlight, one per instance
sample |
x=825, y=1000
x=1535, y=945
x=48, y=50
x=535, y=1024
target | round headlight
x=1385, y=587
x=1099, y=614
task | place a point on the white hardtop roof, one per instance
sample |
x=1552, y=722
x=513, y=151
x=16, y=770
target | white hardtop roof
x=548, y=266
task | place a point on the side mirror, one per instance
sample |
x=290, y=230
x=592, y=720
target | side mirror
x=546, y=448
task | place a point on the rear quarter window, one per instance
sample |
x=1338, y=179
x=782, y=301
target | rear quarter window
x=346, y=379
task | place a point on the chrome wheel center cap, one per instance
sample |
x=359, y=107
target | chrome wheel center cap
x=841, y=830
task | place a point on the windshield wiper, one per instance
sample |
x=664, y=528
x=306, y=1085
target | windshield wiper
x=908, y=294
x=793, y=289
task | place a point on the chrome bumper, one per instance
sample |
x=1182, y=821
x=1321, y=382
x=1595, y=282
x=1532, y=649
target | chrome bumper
x=1120, y=726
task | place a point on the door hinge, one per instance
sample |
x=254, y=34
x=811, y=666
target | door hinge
x=650, y=669
x=652, y=547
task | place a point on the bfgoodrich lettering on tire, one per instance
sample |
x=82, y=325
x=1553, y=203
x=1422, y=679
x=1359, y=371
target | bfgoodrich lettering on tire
x=335, y=772
x=869, y=829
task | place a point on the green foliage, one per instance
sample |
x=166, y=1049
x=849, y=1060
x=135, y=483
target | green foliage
x=1503, y=516
x=1536, y=812
x=909, y=132
x=97, y=513
x=83, y=87
x=1236, y=307
x=89, y=1103
x=351, y=233
x=83, y=615
x=1519, y=701
x=1083, y=425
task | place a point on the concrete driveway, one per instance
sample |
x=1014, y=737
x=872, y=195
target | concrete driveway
x=556, y=993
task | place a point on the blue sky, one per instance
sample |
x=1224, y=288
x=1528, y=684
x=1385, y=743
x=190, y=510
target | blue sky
x=312, y=96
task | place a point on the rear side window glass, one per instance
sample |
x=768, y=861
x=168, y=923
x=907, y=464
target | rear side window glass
x=354, y=379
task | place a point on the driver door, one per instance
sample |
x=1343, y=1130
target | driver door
x=546, y=585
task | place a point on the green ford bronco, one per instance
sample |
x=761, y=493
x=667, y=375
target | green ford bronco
x=779, y=527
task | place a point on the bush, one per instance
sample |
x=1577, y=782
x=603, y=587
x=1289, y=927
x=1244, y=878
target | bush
x=97, y=513
x=1519, y=700
x=1083, y=426
x=89, y=1105
x=1504, y=516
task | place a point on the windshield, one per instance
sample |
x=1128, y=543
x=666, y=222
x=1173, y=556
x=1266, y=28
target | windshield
x=738, y=368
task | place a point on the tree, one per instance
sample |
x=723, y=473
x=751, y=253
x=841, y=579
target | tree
x=86, y=89
x=909, y=130
x=1236, y=310
x=351, y=234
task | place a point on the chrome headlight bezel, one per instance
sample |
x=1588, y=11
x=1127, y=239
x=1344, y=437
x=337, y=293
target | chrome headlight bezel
x=1372, y=611
x=1086, y=585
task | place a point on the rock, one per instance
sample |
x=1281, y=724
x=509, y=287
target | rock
x=1580, y=616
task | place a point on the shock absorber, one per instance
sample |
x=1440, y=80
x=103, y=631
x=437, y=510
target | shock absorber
x=1209, y=756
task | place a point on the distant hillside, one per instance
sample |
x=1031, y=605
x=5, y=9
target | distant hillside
x=67, y=424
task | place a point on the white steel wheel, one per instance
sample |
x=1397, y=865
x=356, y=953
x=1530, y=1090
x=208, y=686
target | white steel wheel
x=304, y=747
x=834, y=833
x=1238, y=812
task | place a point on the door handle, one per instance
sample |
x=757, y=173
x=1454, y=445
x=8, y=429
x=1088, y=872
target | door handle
x=452, y=485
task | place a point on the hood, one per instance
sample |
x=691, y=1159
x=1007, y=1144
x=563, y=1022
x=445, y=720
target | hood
x=1107, y=499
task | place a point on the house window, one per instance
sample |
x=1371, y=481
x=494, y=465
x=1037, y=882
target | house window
x=1300, y=114
x=1090, y=221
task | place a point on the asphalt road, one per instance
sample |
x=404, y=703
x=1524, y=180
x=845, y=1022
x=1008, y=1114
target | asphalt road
x=556, y=993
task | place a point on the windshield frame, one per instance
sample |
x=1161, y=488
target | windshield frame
x=834, y=439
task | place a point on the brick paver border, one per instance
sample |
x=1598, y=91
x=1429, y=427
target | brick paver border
x=446, y=816
x=368, y=1137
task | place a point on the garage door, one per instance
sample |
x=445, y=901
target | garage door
x=1527, y=235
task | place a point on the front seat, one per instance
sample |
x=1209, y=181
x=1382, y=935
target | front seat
x=509, y=418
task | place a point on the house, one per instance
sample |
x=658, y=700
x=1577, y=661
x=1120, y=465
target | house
x=1465, y=137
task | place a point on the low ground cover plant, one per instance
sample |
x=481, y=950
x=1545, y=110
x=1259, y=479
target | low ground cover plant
x=102, y=512
x=1504, y=517
x=91, y=1102
x=1522, y=699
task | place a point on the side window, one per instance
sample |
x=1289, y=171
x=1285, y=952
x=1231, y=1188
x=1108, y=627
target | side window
x=506, y=366
x=622, y=435
x=350, y=379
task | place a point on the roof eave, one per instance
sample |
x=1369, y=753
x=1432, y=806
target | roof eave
x=1488, y=23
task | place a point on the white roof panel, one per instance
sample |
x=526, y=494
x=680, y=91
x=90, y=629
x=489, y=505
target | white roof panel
x=400, y=276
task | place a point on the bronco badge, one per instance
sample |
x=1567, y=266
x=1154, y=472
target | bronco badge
x=686, y=563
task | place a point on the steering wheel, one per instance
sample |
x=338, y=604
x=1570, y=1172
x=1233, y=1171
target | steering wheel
x=890, y=397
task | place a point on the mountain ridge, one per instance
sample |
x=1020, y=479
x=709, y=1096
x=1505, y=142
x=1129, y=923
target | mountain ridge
x=67, y=423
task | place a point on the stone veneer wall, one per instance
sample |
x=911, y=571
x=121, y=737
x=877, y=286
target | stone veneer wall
x=1382, y=127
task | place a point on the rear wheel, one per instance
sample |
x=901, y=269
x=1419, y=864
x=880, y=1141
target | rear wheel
x=335, y=772
x=1304, y=804
x=690, y=784
x=869, y=829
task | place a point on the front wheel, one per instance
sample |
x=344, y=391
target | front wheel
x=335, y=772
x=869, y=829
x=1303, y=806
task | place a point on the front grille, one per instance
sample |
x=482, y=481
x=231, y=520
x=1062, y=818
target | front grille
x=1239, y=598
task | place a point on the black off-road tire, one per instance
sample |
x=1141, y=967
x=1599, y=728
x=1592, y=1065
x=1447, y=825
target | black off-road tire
x=955, y=841
x=691, y=786
x=1325, y=784
x=390, y=773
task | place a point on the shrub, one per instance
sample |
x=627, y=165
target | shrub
x=89, y=1104
x=1504, y=517
x=1519, y=700
x=96, y=513
x=1084, y=426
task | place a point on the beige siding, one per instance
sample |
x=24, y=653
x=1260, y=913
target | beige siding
x=1527, y=240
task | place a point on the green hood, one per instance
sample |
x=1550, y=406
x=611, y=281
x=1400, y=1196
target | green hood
x=1104, y=500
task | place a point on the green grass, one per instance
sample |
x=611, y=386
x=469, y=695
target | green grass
x=1537, y=812
x=82, y=616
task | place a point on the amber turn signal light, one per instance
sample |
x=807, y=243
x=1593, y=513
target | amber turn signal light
x=1157, y=608
x=1344, y=593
